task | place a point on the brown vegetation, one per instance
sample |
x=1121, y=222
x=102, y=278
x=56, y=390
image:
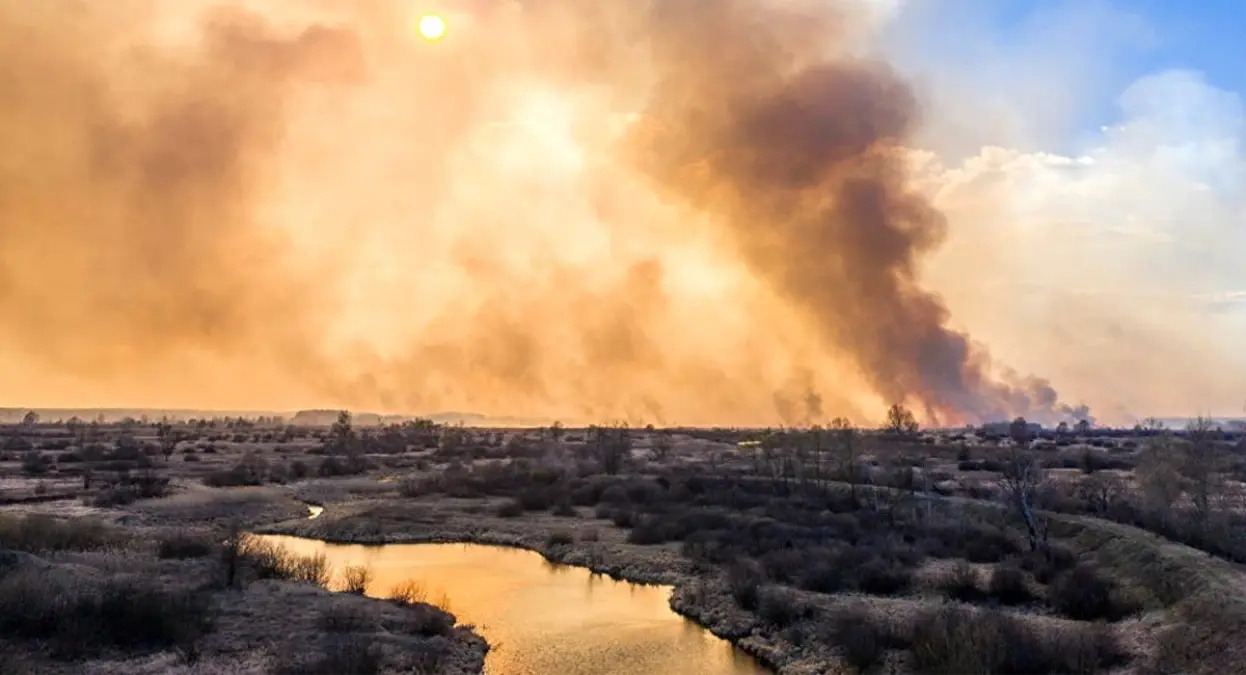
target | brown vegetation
x=1008, y=551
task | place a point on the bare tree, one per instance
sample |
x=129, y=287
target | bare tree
x=342, y=437
x=845, y=443
x=1083, y=427
x=661, y=445
x=1158, y=475
x=1022, y=480
x=1101, y=491
x=1201, y=466
x=611, y=445
x=169, y=438
x=901, y=422
x=30, y=420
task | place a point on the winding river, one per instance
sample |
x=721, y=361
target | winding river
x=542, y=618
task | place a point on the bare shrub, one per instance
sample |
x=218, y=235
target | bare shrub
x=350, y=653
x=267, y=560
x=345, y=618
x=37, y=533
x=355, y=579
x=183, y=545
x=409, y=592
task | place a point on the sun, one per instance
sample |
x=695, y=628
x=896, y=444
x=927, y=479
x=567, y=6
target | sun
x=432, y=27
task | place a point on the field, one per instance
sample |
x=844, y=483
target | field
x=818, y=550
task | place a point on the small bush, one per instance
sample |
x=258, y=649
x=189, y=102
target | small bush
x=1007, y=585
x=355, y=579
x=863, y=640
x=959, y=641
x=779, y=607
x=267, y=560
x=1085, y=595
x=183, y=545
x=883, y=577
x=962, y=583
x=745, y=583
x=408, y=592
x=83, y=619
x=345, y=618
x=510, y=508
x=37, y=533
x=351, y=654
x=559, y=538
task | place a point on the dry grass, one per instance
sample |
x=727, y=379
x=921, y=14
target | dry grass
x=37, y=533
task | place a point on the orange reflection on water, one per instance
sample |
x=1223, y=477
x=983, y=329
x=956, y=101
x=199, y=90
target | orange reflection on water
x=541, y=618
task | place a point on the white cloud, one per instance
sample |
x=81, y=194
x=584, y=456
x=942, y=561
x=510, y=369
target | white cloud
x=1115, y=270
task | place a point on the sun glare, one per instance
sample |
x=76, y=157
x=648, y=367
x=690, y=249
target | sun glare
x=432, y=27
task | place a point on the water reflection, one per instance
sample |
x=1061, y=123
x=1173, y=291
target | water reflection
x=544, y=618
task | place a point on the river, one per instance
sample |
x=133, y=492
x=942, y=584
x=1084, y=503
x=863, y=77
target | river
x=542, y=618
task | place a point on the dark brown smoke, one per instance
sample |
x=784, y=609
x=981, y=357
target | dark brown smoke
x=139, y=233
x=803, y=160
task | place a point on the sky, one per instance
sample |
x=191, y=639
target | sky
x=1113, y=132
x=282, y=204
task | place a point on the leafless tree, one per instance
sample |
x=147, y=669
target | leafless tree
x=1159, y=476
x=611, y=445
x=1021, y=482
x=845, y=443
x=901, y=422
x=1101, y=491
x=661, y=446
x=1201, y=468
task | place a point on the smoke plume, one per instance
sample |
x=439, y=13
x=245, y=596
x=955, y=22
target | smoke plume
x=675, y=211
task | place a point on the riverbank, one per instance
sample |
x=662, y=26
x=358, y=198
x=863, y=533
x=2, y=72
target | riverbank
x=88, y=596
x=580, y=540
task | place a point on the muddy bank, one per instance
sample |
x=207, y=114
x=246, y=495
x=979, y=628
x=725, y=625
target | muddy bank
x=579, y=540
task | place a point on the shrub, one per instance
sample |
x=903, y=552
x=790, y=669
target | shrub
x=35, y=463
x=355, y=579
x=123, y=614
x=1085, y=595
x=960, y=641
x=510, y=508
x=962, y=582
x=183, y=545
x=267, y=560
x=1007, y=585
x=863, y=640
x=351, y=653
x=779, y=607
x=1047, y=563
x=744, y=582
x=408, y=592
x=345, y=618
x=559, y=538
x=883, y=577
x=37, y=533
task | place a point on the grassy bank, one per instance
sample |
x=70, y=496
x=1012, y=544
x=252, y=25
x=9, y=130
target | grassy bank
x=83, y=595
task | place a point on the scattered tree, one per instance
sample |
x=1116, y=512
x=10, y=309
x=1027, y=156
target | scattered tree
x=1019, y=431
x=1021, y=481
x=901, y=422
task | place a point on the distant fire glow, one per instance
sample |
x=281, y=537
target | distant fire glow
x=432, y=27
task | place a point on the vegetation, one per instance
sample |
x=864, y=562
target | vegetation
x=1005, y=549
